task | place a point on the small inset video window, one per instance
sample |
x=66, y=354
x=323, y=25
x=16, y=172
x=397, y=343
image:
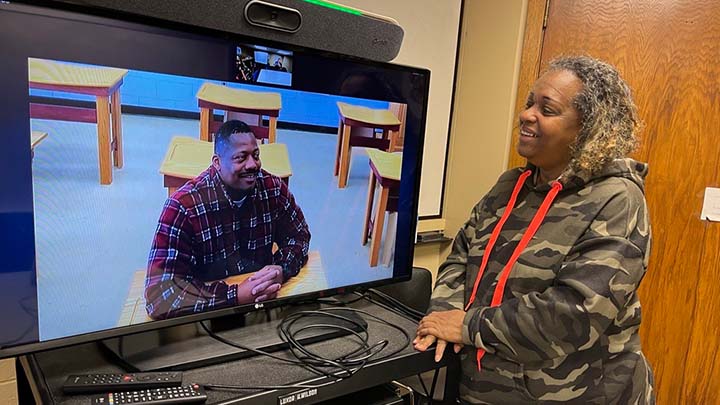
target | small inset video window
x=260, y=64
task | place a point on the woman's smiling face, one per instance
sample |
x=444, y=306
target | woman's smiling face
x=550, y=123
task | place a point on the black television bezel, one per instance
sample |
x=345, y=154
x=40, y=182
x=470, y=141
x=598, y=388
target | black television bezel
x=150, y=24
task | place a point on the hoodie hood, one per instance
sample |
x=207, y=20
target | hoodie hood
x=628, y=168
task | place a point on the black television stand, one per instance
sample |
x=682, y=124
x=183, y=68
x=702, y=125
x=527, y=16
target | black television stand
x=47, y=371
x=188, y=346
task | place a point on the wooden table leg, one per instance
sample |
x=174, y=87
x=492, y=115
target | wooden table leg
x=117, y=142
x=389, y=244
x=338, y=150
x=344, y=157
x=378, y=226
x=103, y=130
x=272, y=129
x=393, y=139
x=205, y=117
x=368, y=207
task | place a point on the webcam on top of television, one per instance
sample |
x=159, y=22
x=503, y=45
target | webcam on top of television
x=273, y=16
x=316, y=24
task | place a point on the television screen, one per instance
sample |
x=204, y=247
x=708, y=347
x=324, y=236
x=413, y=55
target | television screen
x=149, y=182
x=261, y=57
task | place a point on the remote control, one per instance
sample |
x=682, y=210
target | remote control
x=91, y=383
x=188, y=394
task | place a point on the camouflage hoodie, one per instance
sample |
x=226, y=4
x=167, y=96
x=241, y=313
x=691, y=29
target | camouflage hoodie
x=567, y=328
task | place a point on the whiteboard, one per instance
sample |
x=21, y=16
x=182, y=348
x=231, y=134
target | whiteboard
x=431, y=41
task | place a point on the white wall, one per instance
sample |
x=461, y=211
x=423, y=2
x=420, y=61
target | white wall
x=484, y=114
x=431, y=37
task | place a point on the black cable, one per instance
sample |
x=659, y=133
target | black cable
x=222, y=387
x=407, y=310
x=403, y=309
x=335, y=369
x=284, y=328
x=342, y=363
x=380, y=320
x=239, y=346
x=310, y=354
x=391, y=306
x=300, y=362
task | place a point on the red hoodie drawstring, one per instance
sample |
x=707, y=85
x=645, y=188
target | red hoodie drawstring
x=532, y=228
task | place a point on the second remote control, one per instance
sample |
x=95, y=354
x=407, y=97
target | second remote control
x=90, y=383
x=158, y=396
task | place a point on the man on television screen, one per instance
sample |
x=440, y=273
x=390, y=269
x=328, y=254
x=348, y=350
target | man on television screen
x=224, y=223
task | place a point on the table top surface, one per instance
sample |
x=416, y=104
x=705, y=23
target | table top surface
x=43, y=71
x=239, y=98
x=187, y=157
x=311, y=278
x=367, y=115
x=388, y=165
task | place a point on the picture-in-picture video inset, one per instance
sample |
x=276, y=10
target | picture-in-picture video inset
x=147, y=215
x=260, y=64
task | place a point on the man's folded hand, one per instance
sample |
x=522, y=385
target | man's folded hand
x=262, y=285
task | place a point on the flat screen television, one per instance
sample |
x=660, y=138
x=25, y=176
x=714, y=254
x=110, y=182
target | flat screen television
x=107, y=127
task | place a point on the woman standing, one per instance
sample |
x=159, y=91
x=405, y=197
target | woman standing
x=540, y=291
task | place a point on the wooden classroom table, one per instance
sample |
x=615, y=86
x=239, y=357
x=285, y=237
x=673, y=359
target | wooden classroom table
x=187, y=157
x=212, y=96
x=311, y=278
x=361, y=117
x=385, y=168
x=104, y=83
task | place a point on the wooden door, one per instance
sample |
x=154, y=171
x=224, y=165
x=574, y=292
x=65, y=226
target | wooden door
x=669, y=53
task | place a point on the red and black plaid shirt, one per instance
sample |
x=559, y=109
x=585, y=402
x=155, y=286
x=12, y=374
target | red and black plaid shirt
x=201, y=234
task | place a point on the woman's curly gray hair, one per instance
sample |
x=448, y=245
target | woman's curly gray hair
x=609, y=122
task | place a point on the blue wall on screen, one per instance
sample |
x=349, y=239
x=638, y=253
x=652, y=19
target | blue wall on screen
x=145, y=89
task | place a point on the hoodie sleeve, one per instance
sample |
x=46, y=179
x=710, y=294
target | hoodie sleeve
x=598, y=279
x=449, y=292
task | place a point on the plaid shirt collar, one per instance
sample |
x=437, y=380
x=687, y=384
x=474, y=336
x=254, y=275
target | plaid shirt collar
x=221, y=189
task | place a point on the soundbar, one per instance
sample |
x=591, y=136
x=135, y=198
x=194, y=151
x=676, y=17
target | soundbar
x=313, y=24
